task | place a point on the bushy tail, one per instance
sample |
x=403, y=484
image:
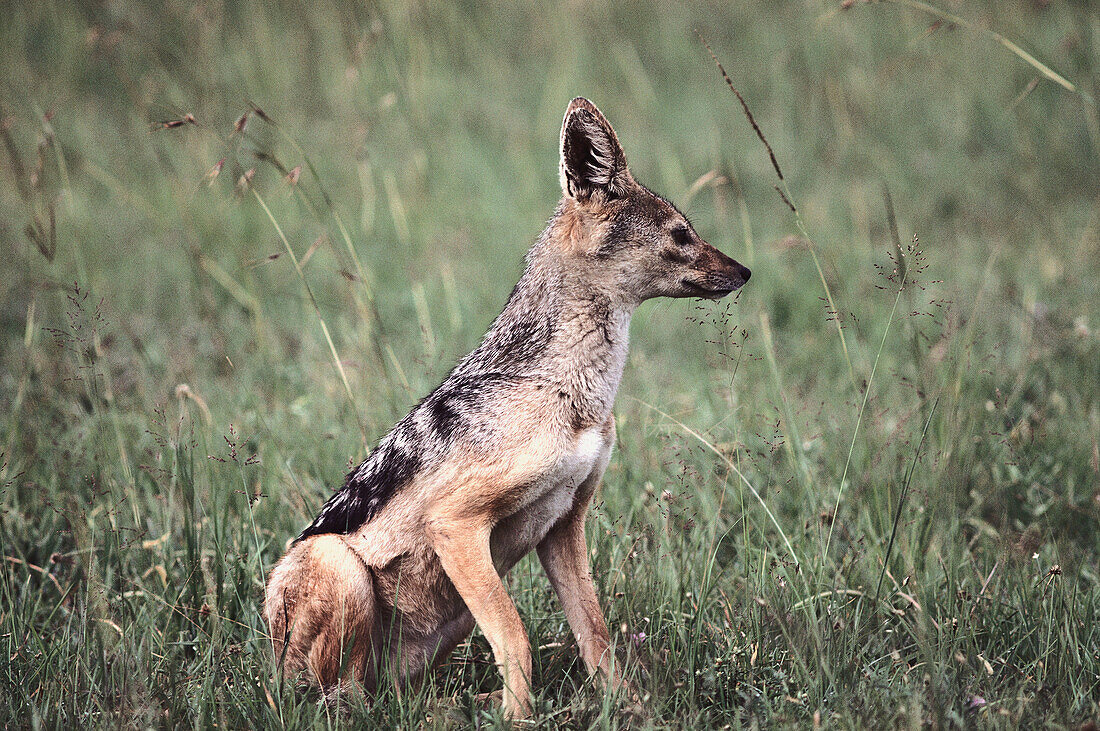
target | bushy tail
x=320, y=609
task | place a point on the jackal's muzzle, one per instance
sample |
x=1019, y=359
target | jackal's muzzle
x=715, y=275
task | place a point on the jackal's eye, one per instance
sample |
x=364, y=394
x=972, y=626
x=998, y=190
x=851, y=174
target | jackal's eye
x=681, y=235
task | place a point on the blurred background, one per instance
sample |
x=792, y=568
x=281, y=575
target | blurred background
x=241, y=239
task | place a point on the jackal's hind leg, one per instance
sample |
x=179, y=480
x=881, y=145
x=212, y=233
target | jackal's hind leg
x=418, y=660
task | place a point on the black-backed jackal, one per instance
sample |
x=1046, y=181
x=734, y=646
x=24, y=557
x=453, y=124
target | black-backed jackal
x=502, y=458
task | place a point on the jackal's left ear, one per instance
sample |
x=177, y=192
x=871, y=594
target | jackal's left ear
x=592, y=159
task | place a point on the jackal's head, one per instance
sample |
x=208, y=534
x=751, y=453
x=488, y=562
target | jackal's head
x=626, y=236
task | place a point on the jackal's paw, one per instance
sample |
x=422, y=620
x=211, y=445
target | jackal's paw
x=630, y=699
x=463, y=707
x=494, y=700
x=635, y=706
x=487, y=701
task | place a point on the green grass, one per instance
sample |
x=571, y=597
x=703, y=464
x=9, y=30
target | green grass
x=177, y=396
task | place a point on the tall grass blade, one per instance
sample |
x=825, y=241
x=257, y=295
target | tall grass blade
x=1026, y=57
x=320, y=318
x=901, y=499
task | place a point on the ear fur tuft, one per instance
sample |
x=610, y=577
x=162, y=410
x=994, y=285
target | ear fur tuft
x=592, y=160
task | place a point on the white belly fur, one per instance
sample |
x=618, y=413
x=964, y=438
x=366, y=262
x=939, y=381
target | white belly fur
x=553, y=495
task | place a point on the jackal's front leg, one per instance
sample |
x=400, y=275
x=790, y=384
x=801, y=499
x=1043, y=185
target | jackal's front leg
x=463, y=550
x=564, y=556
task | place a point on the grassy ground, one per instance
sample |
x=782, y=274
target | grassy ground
x=171, y=410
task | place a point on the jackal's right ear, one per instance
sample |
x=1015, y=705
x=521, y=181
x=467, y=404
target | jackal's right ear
x=591, y=157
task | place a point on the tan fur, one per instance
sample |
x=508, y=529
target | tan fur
x=502, y=459
x=321, y=607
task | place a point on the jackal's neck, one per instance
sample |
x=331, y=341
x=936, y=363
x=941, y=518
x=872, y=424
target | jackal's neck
x=563, y=327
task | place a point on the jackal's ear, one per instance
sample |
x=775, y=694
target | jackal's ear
x=591, y=157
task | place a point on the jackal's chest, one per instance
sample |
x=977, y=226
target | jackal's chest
x=574, y=464
x=550, y=496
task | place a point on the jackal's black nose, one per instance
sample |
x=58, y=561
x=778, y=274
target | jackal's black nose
x=744, y=271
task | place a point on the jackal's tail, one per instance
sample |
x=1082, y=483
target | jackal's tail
x=320, y=610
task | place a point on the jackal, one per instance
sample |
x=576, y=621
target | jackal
x=503, y=457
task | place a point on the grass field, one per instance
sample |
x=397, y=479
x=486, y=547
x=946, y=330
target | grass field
x=864, y=494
